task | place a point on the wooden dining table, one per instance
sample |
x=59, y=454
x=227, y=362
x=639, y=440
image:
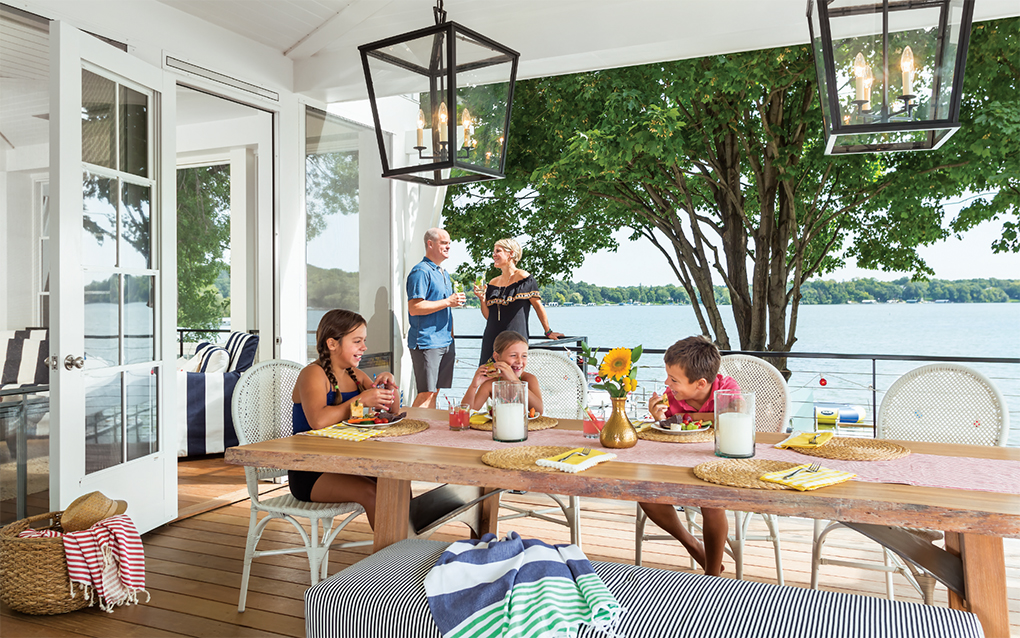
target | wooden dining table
x=974, y=522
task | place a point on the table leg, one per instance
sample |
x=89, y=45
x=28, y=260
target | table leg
x=489, y=518
x=392, y=508
x=984, y=573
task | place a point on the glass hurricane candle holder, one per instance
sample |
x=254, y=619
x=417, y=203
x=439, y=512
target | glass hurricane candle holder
x=734, y=424
x=509, y=411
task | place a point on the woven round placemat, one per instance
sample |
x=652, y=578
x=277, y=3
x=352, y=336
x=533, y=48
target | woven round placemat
x=534, y=425
x=694, y=437
x=844, y=448
x=523, y=457
x=742, y=472
x=405, y=427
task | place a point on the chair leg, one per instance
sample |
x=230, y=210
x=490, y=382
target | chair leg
x=772, y=522
x=314, y=557
x=690, y=514
x=573, y=514
x=639, y=533
x=736, y=543
x=816, y=551
x=249, y=550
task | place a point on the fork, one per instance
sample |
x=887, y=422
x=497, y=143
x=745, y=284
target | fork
x=814, y=467
x=584, y=452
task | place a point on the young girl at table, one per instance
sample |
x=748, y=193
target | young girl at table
x=509, y=358
x=692, y=377
x=323, y=395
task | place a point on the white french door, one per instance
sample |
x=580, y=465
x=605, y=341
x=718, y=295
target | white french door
x=113, y=316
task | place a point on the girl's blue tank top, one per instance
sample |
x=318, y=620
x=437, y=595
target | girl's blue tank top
x=301, y=423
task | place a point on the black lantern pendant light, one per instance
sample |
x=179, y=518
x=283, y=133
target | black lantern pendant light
x=890, y=72
x=451, y=127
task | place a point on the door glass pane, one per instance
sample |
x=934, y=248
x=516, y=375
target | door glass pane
x=203, y=251
x=135, y=227
x=98, y=143
x=141, y=412
x=103, y=430
x=331, y=196
x=102, y=319
x=99, y=221
x=134, y=132
x=139, y=319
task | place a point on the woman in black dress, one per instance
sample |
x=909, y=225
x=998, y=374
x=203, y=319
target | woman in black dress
x=507, y=300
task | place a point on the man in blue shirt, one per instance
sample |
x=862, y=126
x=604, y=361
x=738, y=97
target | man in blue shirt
x=430, y=296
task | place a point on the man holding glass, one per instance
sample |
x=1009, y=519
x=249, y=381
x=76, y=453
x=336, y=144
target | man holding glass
x=430, y=297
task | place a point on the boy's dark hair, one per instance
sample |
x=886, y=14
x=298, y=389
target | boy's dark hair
x=696, y=356
x=507, y=338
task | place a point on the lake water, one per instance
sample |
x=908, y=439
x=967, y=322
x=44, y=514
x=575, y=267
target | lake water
x=966, y=330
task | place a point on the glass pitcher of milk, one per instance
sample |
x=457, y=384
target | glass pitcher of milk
x=509, y=411
x=734, y=424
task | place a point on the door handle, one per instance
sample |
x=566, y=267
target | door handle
x=71, y=361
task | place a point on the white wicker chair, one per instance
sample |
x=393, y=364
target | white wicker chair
x=772, y=407
x=262, y=407
x=941, y=403
x=564, y=395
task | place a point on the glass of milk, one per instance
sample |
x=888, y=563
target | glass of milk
x=734, y=424
x=509, y=411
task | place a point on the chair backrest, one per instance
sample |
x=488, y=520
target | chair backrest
x=944, y=403
x=771, y=394
x=564, y=389
x=263, y=405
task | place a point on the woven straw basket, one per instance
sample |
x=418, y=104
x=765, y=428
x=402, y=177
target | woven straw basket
x=33, y=571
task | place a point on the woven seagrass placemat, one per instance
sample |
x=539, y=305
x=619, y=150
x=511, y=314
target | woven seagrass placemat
x=844, y=448
x=403, y=428
x=694, y=437
x=742, y=472
x=540, y=423
x=524, y=457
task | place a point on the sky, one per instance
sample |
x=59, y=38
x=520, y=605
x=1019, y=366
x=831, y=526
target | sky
x=970, y=257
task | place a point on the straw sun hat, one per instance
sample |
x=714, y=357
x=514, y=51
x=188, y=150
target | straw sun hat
x=85, y=511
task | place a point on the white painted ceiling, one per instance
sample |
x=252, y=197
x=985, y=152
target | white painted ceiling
x=554, y=37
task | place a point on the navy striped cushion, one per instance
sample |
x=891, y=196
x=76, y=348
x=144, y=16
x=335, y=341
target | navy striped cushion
x=24, y=361
x=242, y=347
x=384, y=595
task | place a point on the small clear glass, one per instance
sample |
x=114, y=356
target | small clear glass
x=592, y=426
x=460, y=417
x=734, y=424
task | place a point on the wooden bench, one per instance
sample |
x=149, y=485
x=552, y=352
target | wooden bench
x=383, y=595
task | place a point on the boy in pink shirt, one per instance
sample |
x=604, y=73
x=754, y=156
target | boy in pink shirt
x=690, y=364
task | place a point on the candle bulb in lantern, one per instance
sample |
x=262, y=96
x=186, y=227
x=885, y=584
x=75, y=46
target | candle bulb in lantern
x=421, y=128
x=444, y=120
x=907, y=66
x=467, y=128
x=869, y=80
x=860, y=68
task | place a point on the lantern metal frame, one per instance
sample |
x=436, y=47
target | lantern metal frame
x=444, y=159
x=886, y=120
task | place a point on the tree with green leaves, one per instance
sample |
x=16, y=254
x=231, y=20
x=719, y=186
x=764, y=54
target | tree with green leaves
x=203, y=237
x=718, y=163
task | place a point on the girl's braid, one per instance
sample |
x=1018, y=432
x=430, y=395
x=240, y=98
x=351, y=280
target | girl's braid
x=327, y=366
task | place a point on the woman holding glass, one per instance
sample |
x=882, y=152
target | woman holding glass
x=507, y=300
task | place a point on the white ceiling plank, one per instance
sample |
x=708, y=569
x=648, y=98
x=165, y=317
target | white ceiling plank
x=348, y=19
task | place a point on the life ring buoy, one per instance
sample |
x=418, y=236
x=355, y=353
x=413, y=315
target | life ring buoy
x=828, y=413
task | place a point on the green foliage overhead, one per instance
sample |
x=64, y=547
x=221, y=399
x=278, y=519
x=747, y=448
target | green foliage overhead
x=718, y=163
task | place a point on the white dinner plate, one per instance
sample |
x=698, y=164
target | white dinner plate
x=668, y=431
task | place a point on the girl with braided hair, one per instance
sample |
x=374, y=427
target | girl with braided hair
x=323, y=395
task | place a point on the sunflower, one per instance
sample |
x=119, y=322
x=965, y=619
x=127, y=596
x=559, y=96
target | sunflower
x=616, y=364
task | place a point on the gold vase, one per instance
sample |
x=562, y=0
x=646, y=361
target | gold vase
x=618, y=432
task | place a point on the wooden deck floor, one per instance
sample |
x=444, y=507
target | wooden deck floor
x=193, y=566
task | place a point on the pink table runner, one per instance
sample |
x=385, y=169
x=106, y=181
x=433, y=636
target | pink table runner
x=927, y=470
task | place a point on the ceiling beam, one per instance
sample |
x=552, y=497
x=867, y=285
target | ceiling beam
x=344, y=21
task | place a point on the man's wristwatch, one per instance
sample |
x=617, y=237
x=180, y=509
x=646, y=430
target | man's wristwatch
x=548, y=332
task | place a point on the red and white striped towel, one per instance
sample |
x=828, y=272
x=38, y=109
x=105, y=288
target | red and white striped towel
x=105, y=561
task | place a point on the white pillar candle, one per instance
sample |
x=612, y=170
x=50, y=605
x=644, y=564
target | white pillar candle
x=508, y=423
x=734, y=434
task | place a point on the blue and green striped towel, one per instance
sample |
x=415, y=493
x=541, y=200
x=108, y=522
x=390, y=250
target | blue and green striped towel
x=517, y=588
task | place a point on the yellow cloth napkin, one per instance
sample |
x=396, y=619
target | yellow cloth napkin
x=575, y=460
x=344, y=432
x=480, y=419
x=806, y=439
x=641, y=426
x=805, y=480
